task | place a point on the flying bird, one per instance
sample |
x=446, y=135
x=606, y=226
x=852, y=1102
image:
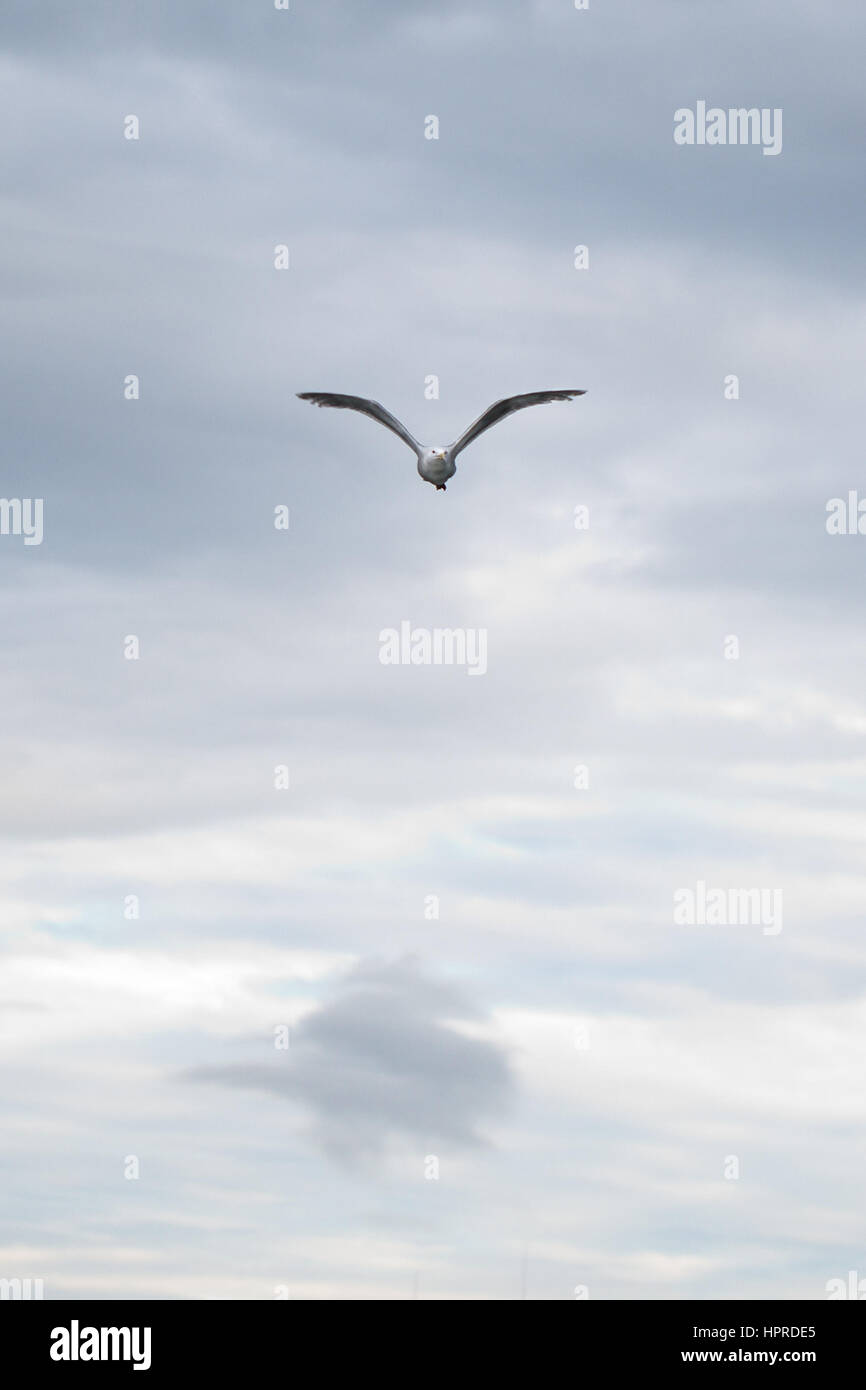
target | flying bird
x=436, y=466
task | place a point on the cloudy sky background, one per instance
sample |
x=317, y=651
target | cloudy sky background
x=581, y=1067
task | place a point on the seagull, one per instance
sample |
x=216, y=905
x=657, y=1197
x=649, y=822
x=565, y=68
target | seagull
x=436, y=466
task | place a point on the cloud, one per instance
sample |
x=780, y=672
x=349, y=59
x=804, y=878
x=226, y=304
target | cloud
x=156, y=778
x=386, y=1058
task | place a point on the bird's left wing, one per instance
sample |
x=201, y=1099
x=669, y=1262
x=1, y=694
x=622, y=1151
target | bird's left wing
x=494, y=413
x=371, y=408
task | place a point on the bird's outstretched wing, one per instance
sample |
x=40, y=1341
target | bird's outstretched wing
x=494, y=413
x=371, y=408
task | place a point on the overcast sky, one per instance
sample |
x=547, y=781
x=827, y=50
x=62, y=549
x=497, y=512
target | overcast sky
x=552, y=1084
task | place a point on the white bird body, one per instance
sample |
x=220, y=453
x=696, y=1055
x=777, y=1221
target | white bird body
x=437, y=465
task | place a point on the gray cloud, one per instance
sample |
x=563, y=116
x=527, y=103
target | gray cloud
x=382, y=1059
x=259, y=648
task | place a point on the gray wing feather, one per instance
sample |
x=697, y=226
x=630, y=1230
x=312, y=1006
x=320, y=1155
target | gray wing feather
x=494, y=413
x=359, y=403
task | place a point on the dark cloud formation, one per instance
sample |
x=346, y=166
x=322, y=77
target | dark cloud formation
x=383, y=1059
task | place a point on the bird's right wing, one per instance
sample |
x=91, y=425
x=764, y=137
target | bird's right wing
x=371, y=408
